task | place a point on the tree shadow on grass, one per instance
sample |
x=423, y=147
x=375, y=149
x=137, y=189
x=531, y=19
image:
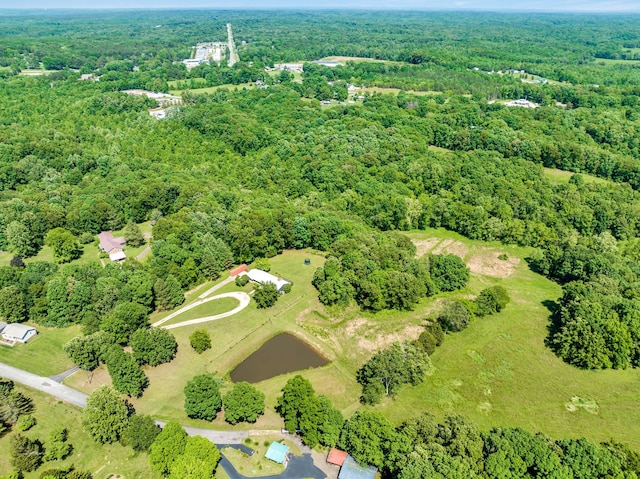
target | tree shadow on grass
x=553, y=328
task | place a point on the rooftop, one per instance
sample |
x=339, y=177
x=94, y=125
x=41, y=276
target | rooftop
x=352, y=470
x=336, y=456
x=277, y=452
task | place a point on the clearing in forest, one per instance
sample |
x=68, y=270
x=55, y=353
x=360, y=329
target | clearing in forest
x=499, y=372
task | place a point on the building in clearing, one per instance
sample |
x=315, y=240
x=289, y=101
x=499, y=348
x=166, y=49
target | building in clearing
x=352, y=470
x=337, y=457
x=109, y=244
x=18, y=333
x=522, y=103
x=118, y=256
x=262, y=277
x=278, y=452
x=112, y=246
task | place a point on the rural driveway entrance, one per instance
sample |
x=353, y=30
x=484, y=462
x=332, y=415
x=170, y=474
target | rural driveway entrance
x=47, y=385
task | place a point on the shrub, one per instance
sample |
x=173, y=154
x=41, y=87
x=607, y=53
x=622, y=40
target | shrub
x=243, y=403
x=491, y=300
x=16, y=262
x=200, y=340
x=86, y=238
x=25, y=422
x=436, y=330
x=266, y=295
x=263, y=264
x=202, y=397
x=286, y=289
x=242, y=280
x=426, y=342
x=448, y=272
x=454, y=316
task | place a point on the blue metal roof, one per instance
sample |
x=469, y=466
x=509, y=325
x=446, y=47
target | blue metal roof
x=352, y=470
x=277, y=452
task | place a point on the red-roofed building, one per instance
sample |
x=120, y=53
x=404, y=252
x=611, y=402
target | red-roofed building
x=238, y=270
x=336, y=456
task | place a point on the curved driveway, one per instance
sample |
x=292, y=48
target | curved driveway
x=243, y=299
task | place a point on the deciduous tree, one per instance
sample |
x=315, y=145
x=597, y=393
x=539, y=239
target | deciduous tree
x=244, y=403
x=106, y=416
x=153, y=346
x=202, y=397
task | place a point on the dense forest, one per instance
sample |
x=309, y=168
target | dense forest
x=236, y=174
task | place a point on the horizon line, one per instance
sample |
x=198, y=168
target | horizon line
x=330, y=9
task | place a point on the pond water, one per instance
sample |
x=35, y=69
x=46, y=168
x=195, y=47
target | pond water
x=281, y=354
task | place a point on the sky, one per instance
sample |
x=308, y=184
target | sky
x=602, y=6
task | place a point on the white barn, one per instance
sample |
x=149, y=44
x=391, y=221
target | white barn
x=20, y=333
x=262, y=277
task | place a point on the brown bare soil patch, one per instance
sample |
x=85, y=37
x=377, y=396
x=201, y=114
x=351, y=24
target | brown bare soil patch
x=383, y=340
x=355, y=325
x=442, y=246
x=457, y=248
x=424, y=246
x=489, y=264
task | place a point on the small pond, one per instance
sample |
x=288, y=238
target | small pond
x=281, y=354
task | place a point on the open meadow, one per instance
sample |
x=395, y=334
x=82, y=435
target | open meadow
x=497, y=372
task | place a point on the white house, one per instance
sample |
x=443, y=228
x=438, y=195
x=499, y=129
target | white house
x=17, y=332
x=262, y=277
x=118, y=256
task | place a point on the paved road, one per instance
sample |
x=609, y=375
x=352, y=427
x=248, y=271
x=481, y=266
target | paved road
x=217, y=437
x=47, y=385
x=298, y=466
x=64, y=375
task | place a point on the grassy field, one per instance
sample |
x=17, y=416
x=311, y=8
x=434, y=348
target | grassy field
x=104, y=462
x=499, y=372
x=395, y=91
x=562, y=177
x=43, y=354
x=212, y=89
x=341, y=59
x=233, y=339
x=609, y=61
x=211, y=308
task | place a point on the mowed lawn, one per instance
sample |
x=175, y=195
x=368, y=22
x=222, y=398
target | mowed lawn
x=104, y=462
x=233, y=339
x=498, y=371
x=42, y=354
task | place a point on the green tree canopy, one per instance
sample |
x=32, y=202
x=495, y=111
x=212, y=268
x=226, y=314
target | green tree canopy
x=153, y=346
x=202, y=397
x=106, y=416
x=200, y=340
x=64, y=245
x=266, y=295
x=244, y=403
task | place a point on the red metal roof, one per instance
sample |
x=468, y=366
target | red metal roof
x=336, y=456
x=238, y=270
